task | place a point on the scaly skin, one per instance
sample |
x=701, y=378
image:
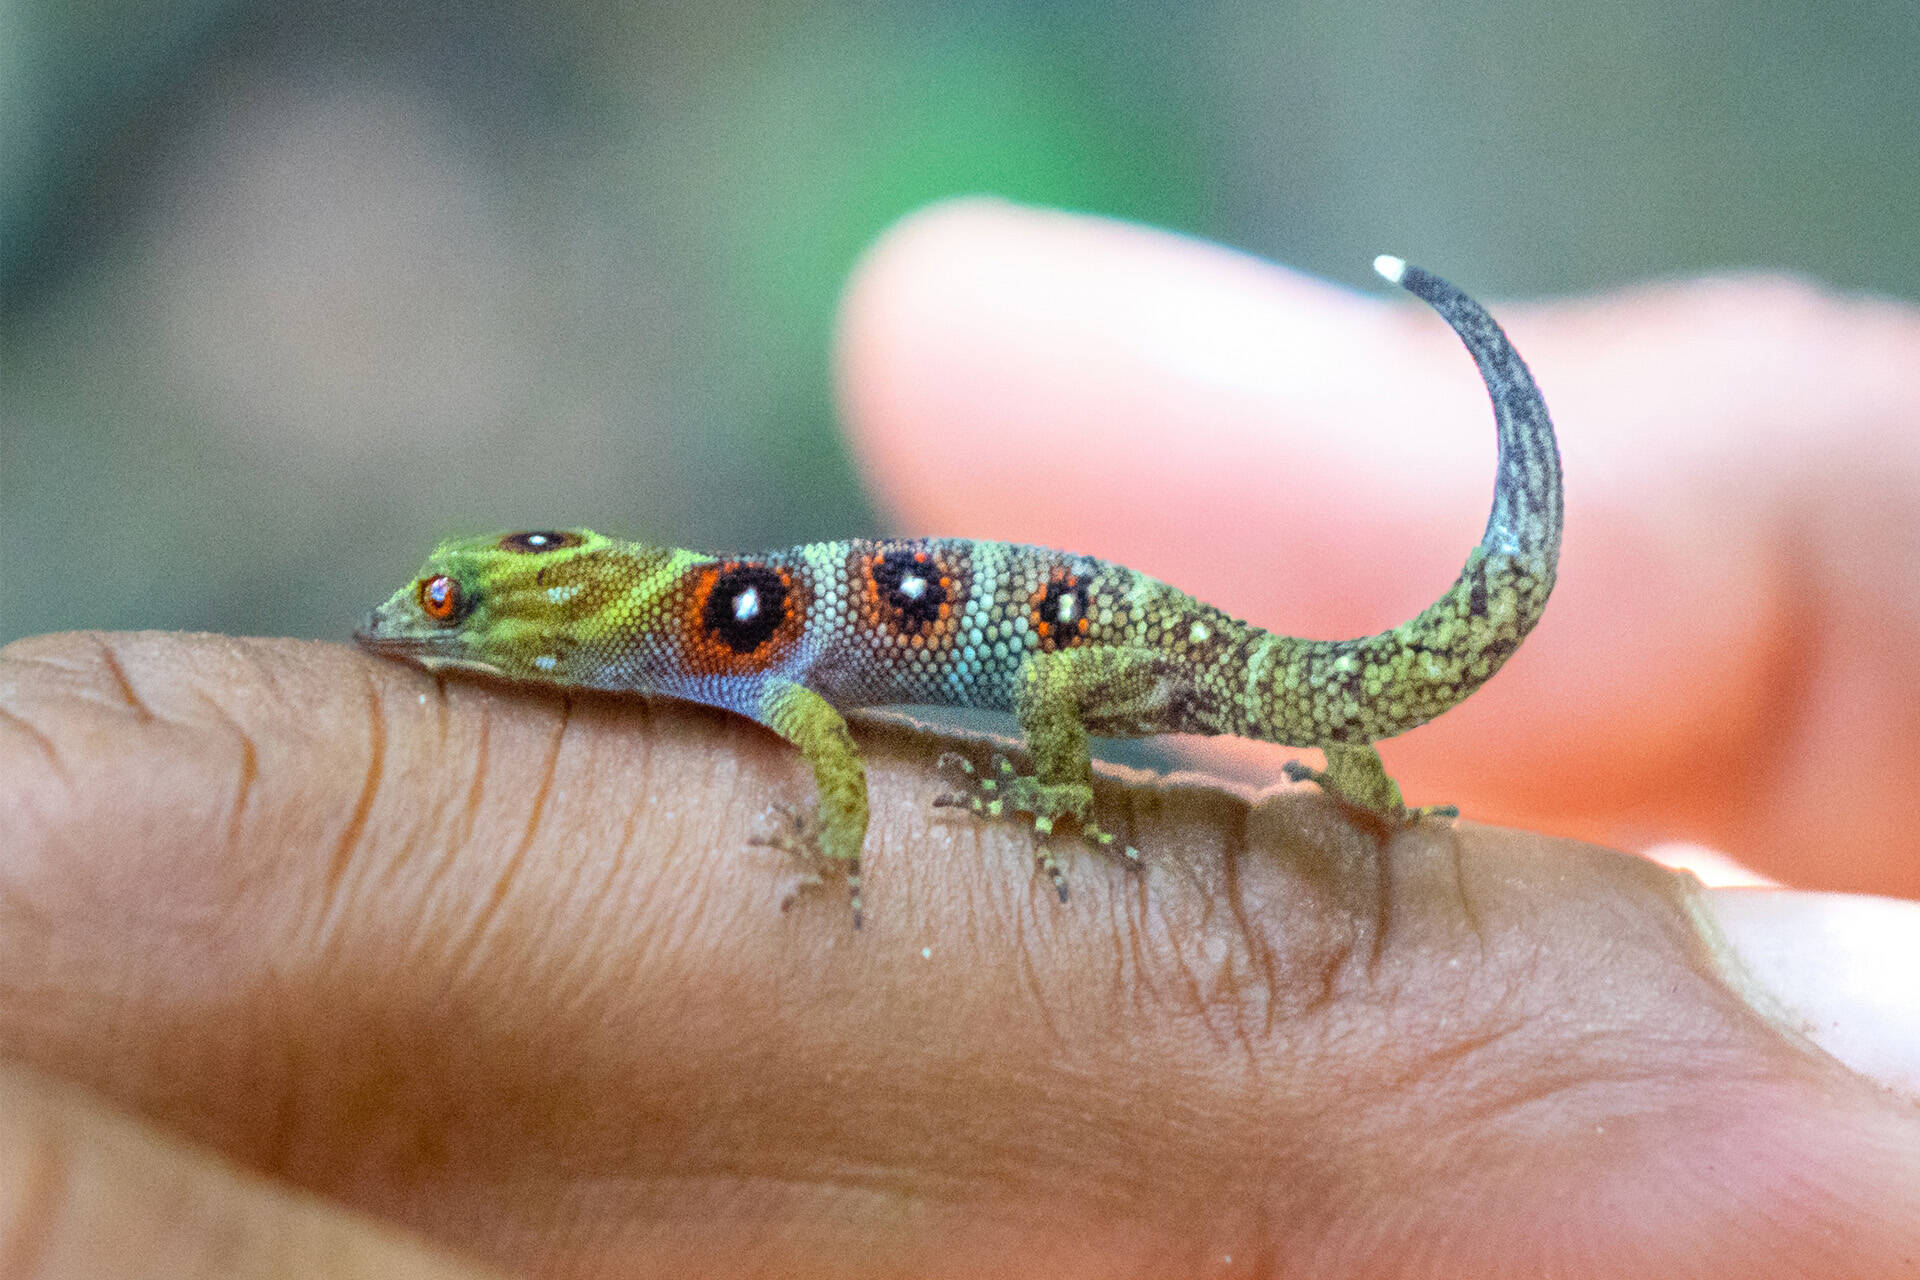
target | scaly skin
x=1073, y=646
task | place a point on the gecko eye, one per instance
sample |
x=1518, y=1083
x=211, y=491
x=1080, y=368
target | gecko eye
x=540, y=540
x=440, y=598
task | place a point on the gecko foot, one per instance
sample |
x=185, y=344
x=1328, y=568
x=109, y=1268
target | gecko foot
x=1002, y=791
x=801, y=833
x=1356, y=777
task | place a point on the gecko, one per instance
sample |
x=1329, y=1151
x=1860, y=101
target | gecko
x=1072, y=645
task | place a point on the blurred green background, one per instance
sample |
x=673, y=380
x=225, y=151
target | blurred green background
x=287, y=292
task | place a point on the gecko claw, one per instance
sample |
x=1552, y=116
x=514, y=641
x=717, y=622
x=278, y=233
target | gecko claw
x=1104, y=841
x=798, y=836
x=1044, y=859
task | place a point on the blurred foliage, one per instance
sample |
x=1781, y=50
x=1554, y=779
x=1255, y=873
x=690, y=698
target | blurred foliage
x=288, y=292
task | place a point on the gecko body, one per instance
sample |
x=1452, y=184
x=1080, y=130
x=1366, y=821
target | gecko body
x=1072, y=645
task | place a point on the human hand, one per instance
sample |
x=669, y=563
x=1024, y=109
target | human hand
x=501, y=967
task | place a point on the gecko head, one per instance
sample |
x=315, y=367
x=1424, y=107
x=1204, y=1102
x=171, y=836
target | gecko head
x=506, y=604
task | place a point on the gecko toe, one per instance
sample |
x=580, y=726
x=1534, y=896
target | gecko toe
x=1044, y=859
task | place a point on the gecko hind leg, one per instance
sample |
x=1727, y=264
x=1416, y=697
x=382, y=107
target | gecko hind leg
x=1062, y=695
x=1002, y=791
x=1357, y=777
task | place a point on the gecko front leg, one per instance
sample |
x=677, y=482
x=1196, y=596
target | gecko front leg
x=839, y=827
x=1061, y=696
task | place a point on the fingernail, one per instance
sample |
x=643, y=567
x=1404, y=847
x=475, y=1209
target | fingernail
x=1841, y=969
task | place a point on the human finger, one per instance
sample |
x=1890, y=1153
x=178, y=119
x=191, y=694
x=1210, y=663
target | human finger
x=502, y=967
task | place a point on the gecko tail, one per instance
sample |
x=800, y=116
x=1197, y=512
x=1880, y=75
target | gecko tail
x=1452, y=647
x=1527, y=506
x=1325, y=693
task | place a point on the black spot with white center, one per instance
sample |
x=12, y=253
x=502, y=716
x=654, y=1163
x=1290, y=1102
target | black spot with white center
x=748, y=604
x=910, y=589
x=1062, y=607
x=539, y=540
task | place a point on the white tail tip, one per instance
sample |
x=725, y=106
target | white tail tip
x=1394, y=269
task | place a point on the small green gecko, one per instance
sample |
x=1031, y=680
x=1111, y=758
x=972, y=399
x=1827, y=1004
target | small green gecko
x=1070, y=644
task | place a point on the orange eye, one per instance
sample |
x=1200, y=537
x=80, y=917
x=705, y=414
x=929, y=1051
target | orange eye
x=440, y=598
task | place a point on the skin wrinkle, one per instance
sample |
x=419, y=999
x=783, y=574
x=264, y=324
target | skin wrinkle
x=1454, y=1053
x=1448, y=1058
x=1256, y=946
x=1127, y=916
x=249, y=766
x=572, y=983
x=1022, y=913
x=110, y=661
x=250, y=651
x=249, y=874
x=1338, y=958
x=468, y=813
x=40, y=740
x=618, y=858
x=570, y=881
x=1468, y=912
x=1030, y=977
x=1241, y=948
x=1193, y=1003
x=447, y=860
x=1552, y=1093
x=1337, y=887
x=721, y=749
x=1324, y=945
x=463, y=960
x=331, y=897
x=1232, y=996
x=1250, y=1053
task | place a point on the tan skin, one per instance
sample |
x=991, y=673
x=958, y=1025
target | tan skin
x=500, y=968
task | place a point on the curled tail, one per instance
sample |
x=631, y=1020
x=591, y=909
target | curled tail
x=1526, y=516
x=1357, y=691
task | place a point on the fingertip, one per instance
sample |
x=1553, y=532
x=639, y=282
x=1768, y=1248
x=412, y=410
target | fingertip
x=1043, y=376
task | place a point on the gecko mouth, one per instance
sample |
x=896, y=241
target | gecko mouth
x=429, y=652
x=375, y=637
x=375, y=641
x=370, y=637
